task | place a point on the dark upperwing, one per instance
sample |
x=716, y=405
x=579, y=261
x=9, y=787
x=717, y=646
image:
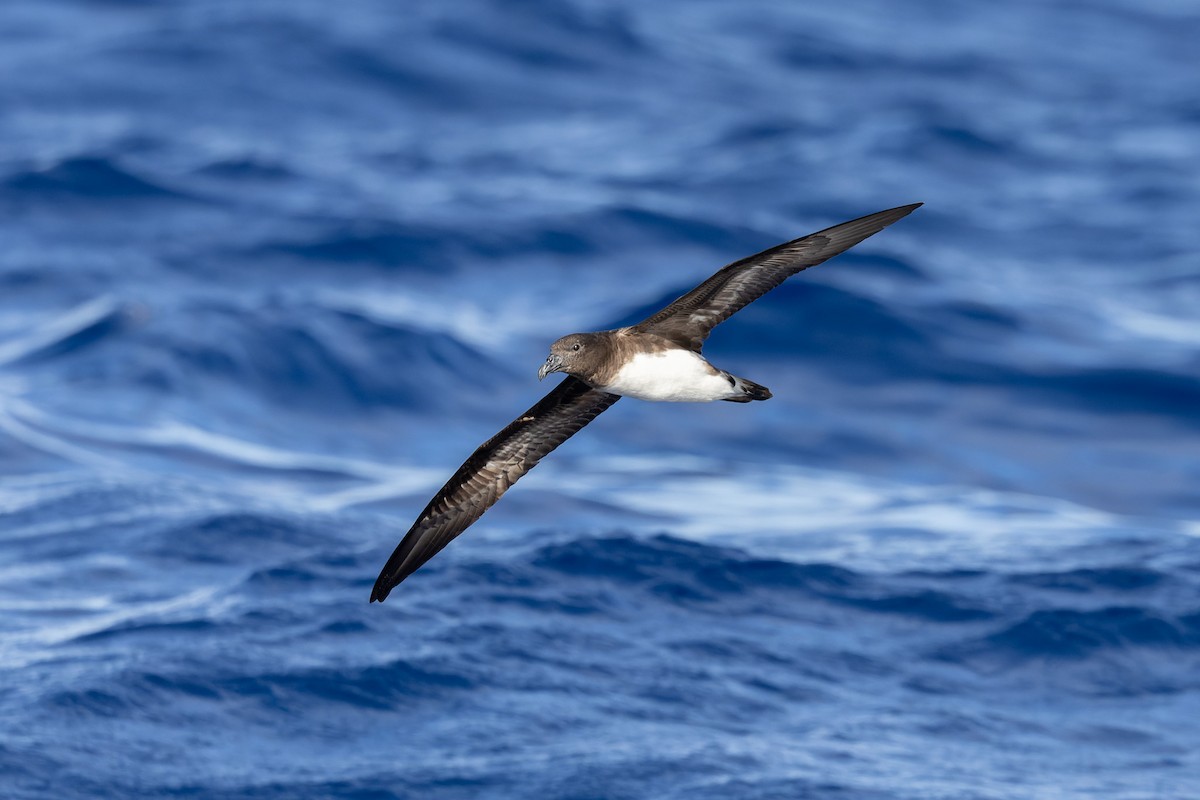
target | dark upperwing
x=690, y=319
x=496, y=465
x=502, y=460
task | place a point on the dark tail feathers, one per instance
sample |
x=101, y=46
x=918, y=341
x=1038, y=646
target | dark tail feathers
x=748, y=390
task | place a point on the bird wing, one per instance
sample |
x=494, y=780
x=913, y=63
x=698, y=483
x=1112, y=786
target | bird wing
x=496, y=465
x=690, y=319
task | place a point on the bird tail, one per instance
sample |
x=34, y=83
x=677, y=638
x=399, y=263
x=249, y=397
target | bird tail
x=745, y=391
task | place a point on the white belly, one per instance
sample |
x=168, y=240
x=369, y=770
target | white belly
x=678, y=376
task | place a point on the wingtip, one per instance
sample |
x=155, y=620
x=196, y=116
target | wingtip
x=877, y=221
x=893, y=214
x=380, y=591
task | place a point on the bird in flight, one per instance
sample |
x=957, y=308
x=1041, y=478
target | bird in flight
x=657, y=359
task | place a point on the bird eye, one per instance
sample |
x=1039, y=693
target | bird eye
x=575, y=347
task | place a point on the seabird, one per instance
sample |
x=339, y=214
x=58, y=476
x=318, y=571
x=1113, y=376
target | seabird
x=657, y=359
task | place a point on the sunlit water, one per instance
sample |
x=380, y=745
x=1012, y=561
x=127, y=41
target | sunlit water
x=270, y=271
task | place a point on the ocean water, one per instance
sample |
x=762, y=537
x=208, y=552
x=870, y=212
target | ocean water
x=270, y=271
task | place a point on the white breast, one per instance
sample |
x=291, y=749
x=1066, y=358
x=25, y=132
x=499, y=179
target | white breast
x=670, y=376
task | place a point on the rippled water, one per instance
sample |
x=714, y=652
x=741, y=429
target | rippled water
x=270, y=271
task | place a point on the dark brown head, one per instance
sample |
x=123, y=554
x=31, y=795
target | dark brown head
x=578, y=354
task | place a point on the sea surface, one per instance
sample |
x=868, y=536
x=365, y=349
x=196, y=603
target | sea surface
x=270, y=270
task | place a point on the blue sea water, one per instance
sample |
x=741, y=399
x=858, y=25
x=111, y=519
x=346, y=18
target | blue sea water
x=271, y=270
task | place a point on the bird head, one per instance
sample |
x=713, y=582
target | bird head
x=574, y=354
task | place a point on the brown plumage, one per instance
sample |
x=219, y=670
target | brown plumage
x=597, y=357
x=690, y=319
x=596, y=360
x=488, y=473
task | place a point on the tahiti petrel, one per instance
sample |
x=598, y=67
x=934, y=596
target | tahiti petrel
x=657, y=359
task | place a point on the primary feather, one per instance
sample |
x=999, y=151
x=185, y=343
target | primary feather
x=486, y=475
x=502, y=460
x=690, y=319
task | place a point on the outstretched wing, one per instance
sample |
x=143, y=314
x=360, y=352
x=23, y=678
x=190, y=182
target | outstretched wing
x=690, y=319
x=496, y=465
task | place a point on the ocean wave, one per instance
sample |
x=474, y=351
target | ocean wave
x=1121, y=390
x=327, y=359
x=152, y=630
x=1095, y=579
x=1115, y=651
x=374, y=244
x=229, y=538
x=1078, y=634
x=685, y=572
x=558, y=36
x=86, y=178
x=245, y=168
x=82, y=326
x=388, y=245
x=387, y=686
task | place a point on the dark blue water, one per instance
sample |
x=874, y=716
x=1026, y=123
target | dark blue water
x=271, y=270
